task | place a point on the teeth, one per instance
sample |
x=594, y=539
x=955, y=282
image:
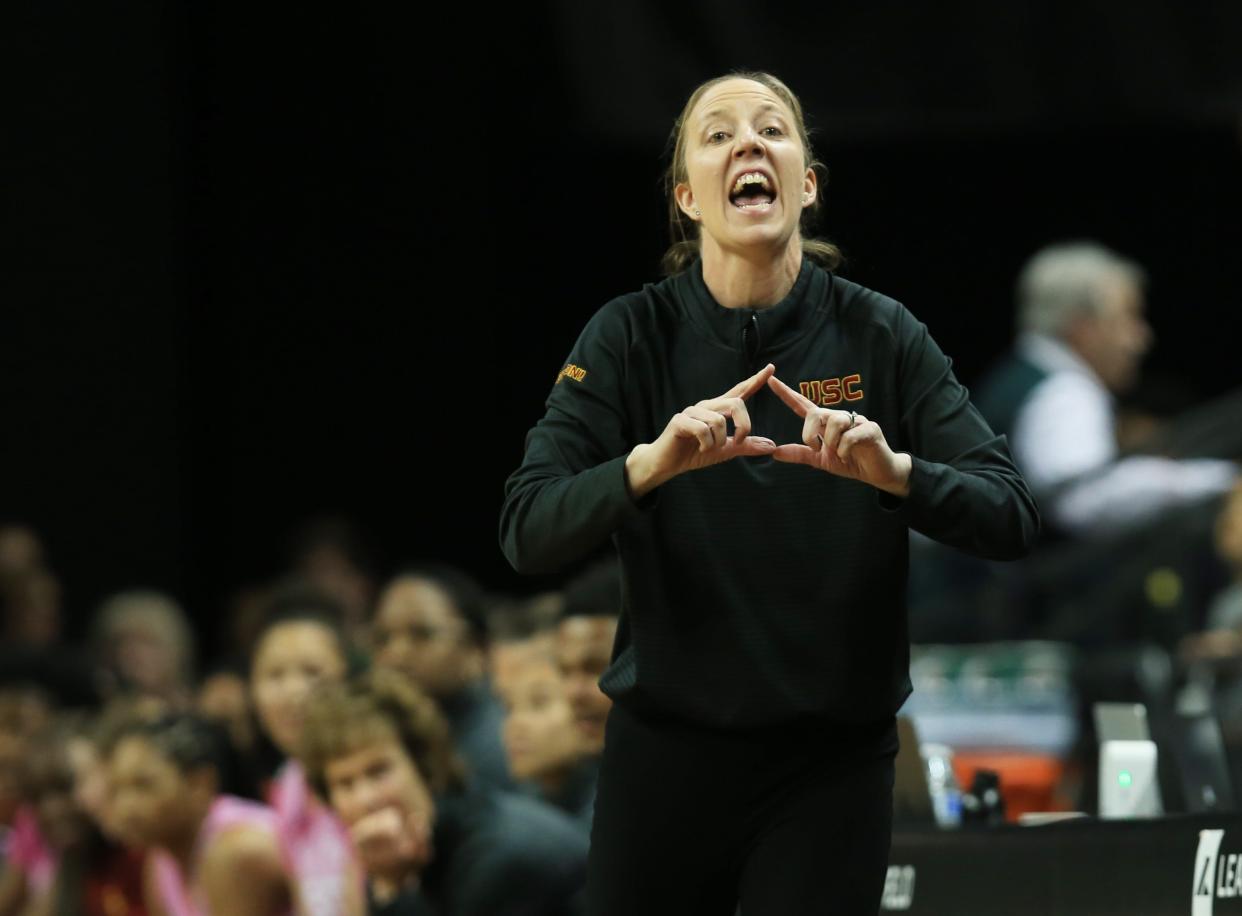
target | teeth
x=750, y=178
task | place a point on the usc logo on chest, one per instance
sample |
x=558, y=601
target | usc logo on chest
x=828, y=391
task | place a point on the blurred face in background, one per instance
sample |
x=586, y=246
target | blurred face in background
x=224, y=698
x=20, y=551
x=144, y=656
x=540, y=733
x=33, y=608
x=584, y=651
x=331, y=570
x=509, y=659
x=1114, y=338
x=380, y=795
x=151, y=802
x=90, y=784
x=23, y=712
x=145, y=641
x=64, y=823
x=290, y=659
x=419, y=633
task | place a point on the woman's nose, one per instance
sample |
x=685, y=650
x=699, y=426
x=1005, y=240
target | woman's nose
x=367, y=796
x=748, y=140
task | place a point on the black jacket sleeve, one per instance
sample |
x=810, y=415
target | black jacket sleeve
x=570, y=493
x=965, y=490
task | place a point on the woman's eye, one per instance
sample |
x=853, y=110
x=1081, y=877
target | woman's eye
x=772, y=131
x=715, y=137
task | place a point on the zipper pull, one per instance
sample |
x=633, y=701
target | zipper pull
x=751, y=339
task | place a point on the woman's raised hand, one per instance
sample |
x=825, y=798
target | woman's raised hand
x=390, y=845
x=843, y=443
x=697, y=437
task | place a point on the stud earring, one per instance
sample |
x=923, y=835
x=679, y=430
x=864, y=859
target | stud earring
x=698, y=212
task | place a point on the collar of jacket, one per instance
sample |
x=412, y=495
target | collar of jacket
x=778, y=324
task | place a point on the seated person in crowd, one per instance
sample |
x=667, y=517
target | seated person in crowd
x=382, y=754
x=21, y=551
x=89, y=872
x=1082, y=337
x=332, y=554
x=144, y=646
x=1221, y=638
x=541, y=736
x=30, y=596
x=584, y=641
x=26, y=861
x=302, y=644
x=431, y=626
x=210, y=853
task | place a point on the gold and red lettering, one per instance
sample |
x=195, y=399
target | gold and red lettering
x=829, y=391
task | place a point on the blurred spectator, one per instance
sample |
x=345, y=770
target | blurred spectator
x=93, y=875
x=30, y=595
x=382, y=754
x=245, y=612
x=331, y=554
x=1222, y=637
x=1226, y=609
x=519, y=630
x=211, y=853
x=25, y=710
x=300, y=646
x=28, y=863
x=1082, y=337
x=431, y=625
x=223, y=697
x=144, y=646
x=32, y=609
x=584, y=644
x=518, y=620
x=12, y=752
x=21, y=552
x=541, y=736
x=510, y=657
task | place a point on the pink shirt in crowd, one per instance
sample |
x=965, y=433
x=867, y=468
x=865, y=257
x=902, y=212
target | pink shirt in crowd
x=28, y=853
x=227, y=811
x=316, y=844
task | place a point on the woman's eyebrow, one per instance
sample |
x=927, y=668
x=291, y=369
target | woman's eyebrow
x=763, y=109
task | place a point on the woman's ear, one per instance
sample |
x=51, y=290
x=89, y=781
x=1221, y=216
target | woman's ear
x=685, y=199
x=810, y=188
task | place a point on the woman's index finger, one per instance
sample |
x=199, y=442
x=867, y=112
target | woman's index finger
x=802, y=406
x=746, y=388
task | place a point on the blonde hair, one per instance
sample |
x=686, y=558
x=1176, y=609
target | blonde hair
x=156, y=613
x=378, y=706
x=684, y=232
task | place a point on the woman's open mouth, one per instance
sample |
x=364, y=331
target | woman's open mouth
x=752, y=191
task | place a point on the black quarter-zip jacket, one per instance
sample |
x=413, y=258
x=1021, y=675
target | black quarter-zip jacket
x=757, y=592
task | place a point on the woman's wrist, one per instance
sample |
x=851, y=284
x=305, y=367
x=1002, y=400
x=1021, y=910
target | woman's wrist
x=899, y=486
x=641, y=476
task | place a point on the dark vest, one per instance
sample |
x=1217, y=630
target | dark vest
x=1004, y=389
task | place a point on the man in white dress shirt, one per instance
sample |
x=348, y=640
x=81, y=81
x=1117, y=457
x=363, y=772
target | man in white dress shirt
x=1082, y=334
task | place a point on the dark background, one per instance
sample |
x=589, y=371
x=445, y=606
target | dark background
x=264, y=264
